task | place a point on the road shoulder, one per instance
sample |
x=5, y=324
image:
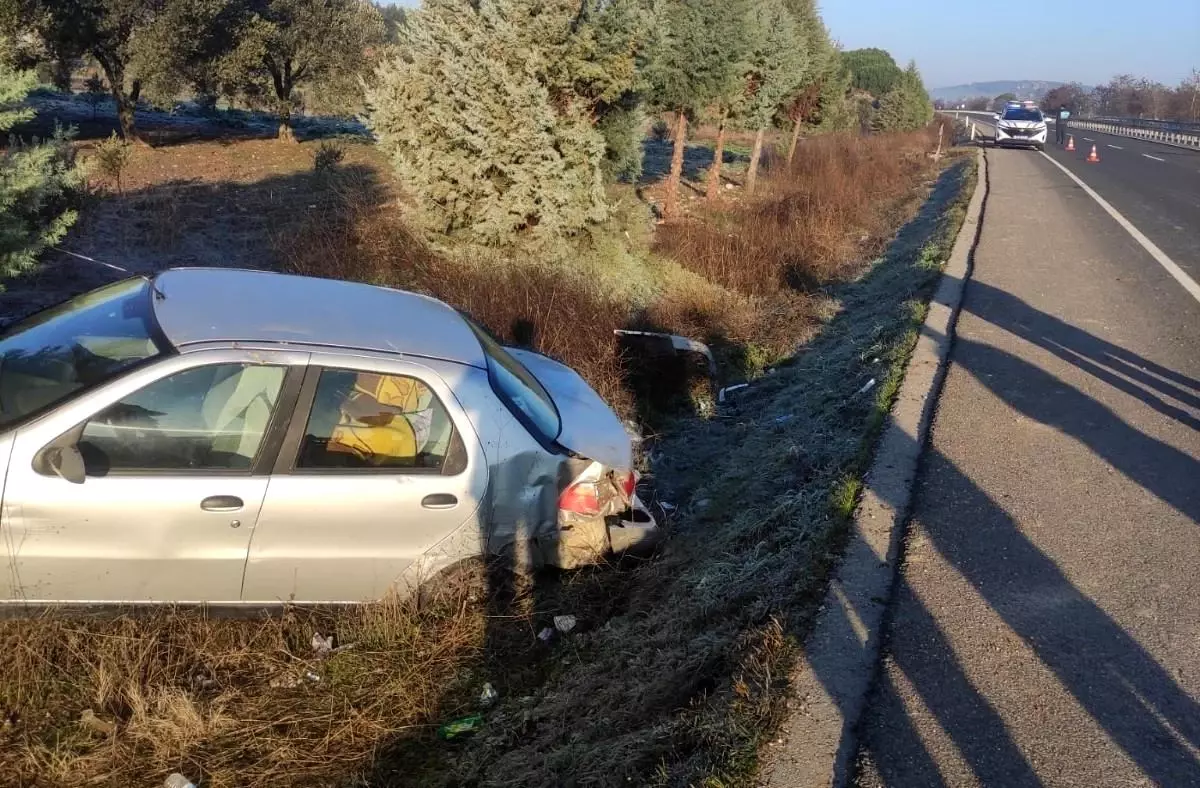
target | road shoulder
x=830, y=684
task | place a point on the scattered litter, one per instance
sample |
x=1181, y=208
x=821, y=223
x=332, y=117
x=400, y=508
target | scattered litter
x=177, y=780
x=875, y=360
x=202, y=682
x=322, y=646
x=667, y=507
x=728, y=389
x=293, y=680
x=89, y=720
x=564, y=624
x=546, y=635
x=461, y=726
x=729, y=187
x=784, y=419
x=870, y=384
x=488, y=696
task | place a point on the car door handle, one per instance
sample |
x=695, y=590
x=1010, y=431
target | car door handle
x=222, y=503
x=439, y=501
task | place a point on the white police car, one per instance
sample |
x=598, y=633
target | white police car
x=1021, y=124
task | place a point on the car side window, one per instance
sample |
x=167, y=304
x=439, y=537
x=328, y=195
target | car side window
x=206, y=418
x=365, y=420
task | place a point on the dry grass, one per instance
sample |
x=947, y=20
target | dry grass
x=124, y=701
x=810, y=224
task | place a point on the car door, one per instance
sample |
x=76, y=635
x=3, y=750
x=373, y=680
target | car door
x=378, y=483
x=177, y=459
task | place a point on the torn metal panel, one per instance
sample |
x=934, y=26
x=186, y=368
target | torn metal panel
x=675, y=343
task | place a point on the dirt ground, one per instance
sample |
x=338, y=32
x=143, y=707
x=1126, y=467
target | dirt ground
x=197, y=203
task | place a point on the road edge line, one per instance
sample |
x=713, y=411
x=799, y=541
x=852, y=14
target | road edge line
x=831, y=684
x=1160, y=257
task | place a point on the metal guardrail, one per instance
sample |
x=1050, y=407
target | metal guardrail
x=1177, y=126
x=1184, y=135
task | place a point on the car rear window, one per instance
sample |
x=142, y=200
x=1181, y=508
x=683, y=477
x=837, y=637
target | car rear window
x=520, y=391
x=1023, y=114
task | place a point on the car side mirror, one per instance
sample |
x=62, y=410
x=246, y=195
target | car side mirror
x=67, y=463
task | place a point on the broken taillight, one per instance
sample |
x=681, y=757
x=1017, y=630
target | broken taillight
x=581, y=498
x=627, y=481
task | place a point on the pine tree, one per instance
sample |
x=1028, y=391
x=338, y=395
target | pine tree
x=906, y=106
x=693, y=66
x=36, y=183
x=777, y=63
x=483, y=124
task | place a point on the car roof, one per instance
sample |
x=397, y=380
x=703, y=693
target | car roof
x=195, y=305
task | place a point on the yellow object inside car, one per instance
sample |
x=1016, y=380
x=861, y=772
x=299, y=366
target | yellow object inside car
x=374, y=421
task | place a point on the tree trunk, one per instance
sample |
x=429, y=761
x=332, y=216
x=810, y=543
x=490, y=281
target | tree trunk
x=795, y=140
x=671, y=200
x=714, y=172
x=755, y=155
x=61, y=73
x=285, y=122
x=114, y=71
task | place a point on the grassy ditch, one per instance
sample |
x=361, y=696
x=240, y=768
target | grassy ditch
x=674, y=671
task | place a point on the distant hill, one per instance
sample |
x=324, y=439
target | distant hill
x=1023, y=89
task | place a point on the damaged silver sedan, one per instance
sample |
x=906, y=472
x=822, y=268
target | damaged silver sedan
x=225, y=436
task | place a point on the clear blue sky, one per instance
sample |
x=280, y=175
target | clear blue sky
x=1089, y=41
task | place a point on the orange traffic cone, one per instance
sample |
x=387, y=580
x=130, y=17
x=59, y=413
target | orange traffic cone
x=1092, y=157
x=1071, y=142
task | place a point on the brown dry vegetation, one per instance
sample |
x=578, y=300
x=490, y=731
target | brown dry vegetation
x=675, y=671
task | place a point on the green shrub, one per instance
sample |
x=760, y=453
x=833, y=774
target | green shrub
x=38, y=181
x=112, y=157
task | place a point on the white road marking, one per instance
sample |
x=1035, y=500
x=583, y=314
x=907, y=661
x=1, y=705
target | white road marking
x=1088, y=139
x=1116, y=147
x=1148, y=156
x=1159, y=255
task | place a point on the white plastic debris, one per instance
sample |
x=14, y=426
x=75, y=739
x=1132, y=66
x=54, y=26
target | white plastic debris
x=870, y=384
x=564, y=624
x=177, y=780
x=489, y=695
x=667, y=507
x=322, y=646
x=89, y=719
x=729, y=389
x=546, y=635
x=784, y=419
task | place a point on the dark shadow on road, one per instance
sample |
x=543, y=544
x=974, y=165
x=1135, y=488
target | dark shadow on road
x=1121, y=686
x=1112, y=364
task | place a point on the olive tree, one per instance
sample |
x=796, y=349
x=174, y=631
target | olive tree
x=285, y=44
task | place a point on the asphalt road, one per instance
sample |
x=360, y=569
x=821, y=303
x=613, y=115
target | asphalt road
x=1046, y=625
x=1155, y=186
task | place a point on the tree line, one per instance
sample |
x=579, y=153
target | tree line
x=1127, y=96
x=1123, y=96
x=504, y=118
x=508, y=117
x=259, y=52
